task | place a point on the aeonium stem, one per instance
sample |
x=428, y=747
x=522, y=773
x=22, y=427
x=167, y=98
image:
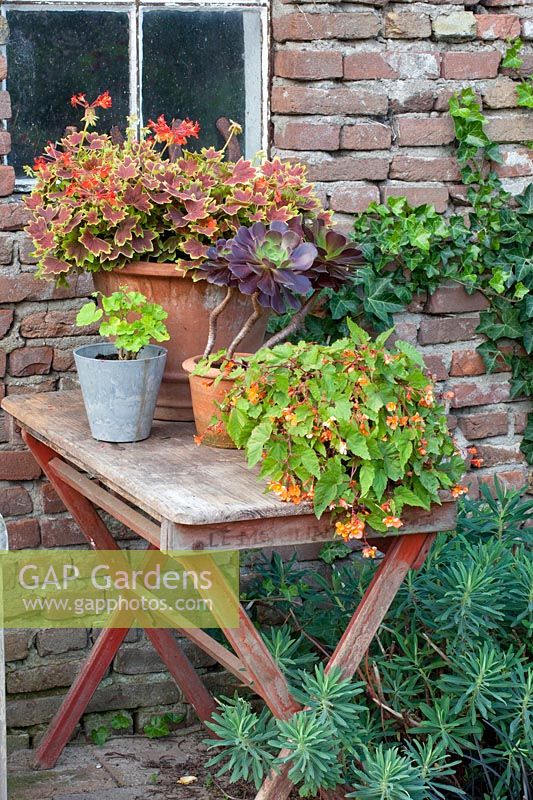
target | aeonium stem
x=295, y=322
x=246, y=328
x=213, y=321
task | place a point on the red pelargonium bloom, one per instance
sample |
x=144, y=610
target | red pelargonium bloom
x=178, y=135
x=39, y=163
x=79, y=100
x=102, y=101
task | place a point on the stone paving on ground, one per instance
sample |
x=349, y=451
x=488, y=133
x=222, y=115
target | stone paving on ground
x=125, y=768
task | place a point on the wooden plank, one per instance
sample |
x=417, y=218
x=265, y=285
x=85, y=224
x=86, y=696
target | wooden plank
x=3, y=735
x=169, y=477
x=106, y=501
x=284, y=531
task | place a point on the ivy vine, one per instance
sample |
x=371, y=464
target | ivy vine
x=488, y=248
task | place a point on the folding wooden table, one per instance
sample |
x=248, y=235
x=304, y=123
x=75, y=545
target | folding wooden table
x=196, y=498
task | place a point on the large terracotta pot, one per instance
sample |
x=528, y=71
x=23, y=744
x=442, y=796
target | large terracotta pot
x=188, y=304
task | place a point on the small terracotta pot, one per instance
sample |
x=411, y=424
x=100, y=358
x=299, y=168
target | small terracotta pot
x=188, y=304
x=205, y=396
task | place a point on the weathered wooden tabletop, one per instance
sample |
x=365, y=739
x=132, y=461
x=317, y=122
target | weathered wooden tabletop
x=168, y=476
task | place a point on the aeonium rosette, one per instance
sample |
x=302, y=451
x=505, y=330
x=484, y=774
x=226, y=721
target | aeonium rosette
x=101, y=200
x=281, y=266
x=351, y=427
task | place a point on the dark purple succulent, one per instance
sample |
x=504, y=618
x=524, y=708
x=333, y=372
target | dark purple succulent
x=273, y=263
x=337, y=256
x=216, y=269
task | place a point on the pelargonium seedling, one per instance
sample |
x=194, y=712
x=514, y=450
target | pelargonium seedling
x=128, y=318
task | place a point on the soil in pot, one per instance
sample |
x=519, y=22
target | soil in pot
x=206, y=395
x=119, y=395
x=188, y=304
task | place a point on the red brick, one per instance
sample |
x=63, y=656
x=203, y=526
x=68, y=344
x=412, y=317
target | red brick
x=366, y=136
x=3, y=68
x=499, y=3
x=42, y=324
x=15, y=501
x=26, y=248
x=436, y=367
x=480, y=394
x=517, y=162
x=325, y=167
x=50, y=500
x=511, y=479
x=48, y=385
x=312, y=65
x=26, y=361
x=63, y=360
x=60, y=532
x=6, y=250
x=418, y=194
x=500, y=93
x=441, y=330
x=367, y=66
x=469, y=362
x=13, y=216
x=296, y=135
x=23, y=534
x=5, y=143
x=411, y=97
x=25, y=286
x=414, y=168
x=451, y=298
x=5, y=105
x=407, y=25
x=7, y=180
x=309, y=27
x=392, y=64
x=468, y=66
x=482, y=425
x=422, y=131
x=3, y=363
x=497, y=26
x=353, y=197
x=511, y=127
x=520, y=421
x=347, y=99
x=18, y=465
x=499, y=454
x=6, y=319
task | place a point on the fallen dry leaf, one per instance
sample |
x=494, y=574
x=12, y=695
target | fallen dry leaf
x=187, y=780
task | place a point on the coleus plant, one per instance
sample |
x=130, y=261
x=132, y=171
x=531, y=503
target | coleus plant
x=100, y=201
x=280, y=266
x=351, y=427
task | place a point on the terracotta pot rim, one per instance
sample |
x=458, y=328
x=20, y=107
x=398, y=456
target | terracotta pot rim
x=157, y=269
x=189, y=365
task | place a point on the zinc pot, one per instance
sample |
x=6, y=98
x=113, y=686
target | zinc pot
x=188, y=304
x=120, y=396
x=206, y=395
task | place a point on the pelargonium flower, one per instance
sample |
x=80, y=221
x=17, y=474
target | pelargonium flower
x=272, y=262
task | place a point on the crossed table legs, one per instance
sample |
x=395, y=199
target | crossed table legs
x=251, y=661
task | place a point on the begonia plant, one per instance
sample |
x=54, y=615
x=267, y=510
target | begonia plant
x=350, y=427
x=101, y=200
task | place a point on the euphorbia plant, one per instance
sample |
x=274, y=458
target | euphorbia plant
x=350, y=427
x=100, y=201
x=280, y=266
x=128, y=318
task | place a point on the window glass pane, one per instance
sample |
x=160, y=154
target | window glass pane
x=51, y=56
x=193, y=66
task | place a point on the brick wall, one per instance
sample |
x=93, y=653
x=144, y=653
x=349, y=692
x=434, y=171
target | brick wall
x=359, y=93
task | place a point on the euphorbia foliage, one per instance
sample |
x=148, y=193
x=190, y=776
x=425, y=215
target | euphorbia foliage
x=99, y=203
x=352, y=427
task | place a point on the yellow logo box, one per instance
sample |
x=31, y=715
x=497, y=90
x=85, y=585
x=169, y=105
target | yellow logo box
x=119, y=589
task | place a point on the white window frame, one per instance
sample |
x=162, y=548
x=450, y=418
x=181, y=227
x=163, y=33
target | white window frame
x=256, y=20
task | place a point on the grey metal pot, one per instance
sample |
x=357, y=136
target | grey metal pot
x=120, y=396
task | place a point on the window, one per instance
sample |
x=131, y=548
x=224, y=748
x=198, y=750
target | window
x=203, y=60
